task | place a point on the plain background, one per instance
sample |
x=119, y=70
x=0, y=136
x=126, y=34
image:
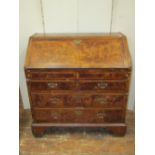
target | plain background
x=144, y=88
x=74, y=16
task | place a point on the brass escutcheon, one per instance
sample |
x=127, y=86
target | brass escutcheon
x=78, y=113
x=54, y=100
x=101, y=100
x=77, y=42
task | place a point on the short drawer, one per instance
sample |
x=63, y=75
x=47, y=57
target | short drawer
x=112, y=86
x=105, y=75
x=46, y=100
x=58, y=85
x=79, y=115
x=50, y=75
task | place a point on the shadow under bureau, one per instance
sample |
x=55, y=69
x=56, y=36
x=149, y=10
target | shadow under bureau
x=78, y=80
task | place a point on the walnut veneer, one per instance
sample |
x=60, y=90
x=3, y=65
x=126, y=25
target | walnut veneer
x=78, y=80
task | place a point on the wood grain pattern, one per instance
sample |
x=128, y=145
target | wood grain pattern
x=79, y=115
x=57, y=100
x=97, y=51
x=78, y=81
x=52, y=74
x=100, y=85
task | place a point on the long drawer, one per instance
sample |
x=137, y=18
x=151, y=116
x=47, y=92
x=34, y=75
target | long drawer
x=47, y=100
x=69, y=115
x=83, y=85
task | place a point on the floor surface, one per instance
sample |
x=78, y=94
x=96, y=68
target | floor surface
x=78, y=141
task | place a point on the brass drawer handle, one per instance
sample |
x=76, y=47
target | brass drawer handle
x=101, y=100
x=102, y=85
x=54, y=100
x=78, y=113
x=52, y=85
x=100, y=115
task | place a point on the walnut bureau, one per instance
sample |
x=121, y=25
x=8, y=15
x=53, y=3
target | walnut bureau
x=78, y=80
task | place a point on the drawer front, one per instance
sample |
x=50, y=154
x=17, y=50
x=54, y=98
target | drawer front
x=43, y=86
x=106, y=75
x=79, y=115
x=47, y=100
x=104, y=85
x=109, y=101
x=79, y=100
x=74, y=74
x=51, y=75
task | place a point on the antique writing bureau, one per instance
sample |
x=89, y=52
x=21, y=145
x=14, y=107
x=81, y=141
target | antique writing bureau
x=78, y=80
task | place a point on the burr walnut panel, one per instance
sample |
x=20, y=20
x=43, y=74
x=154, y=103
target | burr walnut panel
x=78, y=52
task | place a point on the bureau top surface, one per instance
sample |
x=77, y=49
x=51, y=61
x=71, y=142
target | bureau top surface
x=78, y=51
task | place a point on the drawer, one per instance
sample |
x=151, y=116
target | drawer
x=47, y=100
x=87, y=85
x=42, y=100
x=79, y=115
x=109, y=101
x=58, y=85
x=50, y=75
x=114, y=86
x=106, y=75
